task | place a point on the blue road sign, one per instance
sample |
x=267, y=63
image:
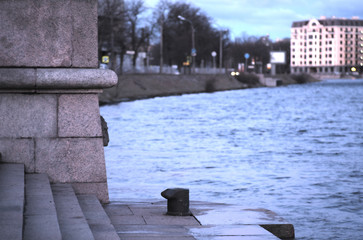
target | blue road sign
x=194, y=52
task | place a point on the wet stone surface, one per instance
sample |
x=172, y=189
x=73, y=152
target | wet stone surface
x=149, y=220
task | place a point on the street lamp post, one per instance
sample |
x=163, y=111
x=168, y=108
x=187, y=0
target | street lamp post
x=220, y=50
x=221, y=33
x=161, y=46
x=193, y=51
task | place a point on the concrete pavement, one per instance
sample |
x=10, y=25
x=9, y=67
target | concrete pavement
x=212, y=221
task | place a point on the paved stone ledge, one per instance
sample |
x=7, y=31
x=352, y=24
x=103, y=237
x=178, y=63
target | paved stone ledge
x=209, y=221
x=56, y=78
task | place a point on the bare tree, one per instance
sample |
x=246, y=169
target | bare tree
x=139, y=30
x=112, y=29
x=177, y=41
x=160, y=15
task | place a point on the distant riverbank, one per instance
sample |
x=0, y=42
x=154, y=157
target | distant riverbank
x=141, y=86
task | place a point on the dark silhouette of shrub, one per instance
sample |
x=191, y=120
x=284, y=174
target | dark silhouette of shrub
x=249, y=79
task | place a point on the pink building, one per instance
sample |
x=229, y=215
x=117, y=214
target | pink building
x=327, y=45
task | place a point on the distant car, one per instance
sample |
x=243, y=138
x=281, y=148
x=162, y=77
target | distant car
x=175, y=70
x=103, y=66
x=235, y=74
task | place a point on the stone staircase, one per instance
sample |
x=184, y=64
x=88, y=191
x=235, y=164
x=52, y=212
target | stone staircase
x=32, y=208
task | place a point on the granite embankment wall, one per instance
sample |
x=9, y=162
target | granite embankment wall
x=140, y=86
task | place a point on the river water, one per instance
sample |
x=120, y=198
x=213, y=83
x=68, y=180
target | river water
x=296, y=150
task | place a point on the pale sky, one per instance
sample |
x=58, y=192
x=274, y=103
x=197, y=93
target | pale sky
x=273, y=17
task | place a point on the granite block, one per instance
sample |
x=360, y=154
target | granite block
x=84, y=39
x=282, y=231
x=24, y=115
x=18, y=151
x=60, y=78
x=79, y=116
x=44, y=33
x=263, y=237
x=117, y=210
x=41, y=227
x=228, y=230
x=122, y=220
x=171, y=220
x=35, y=33
x=69, y=160
x=17, y=78
x=99, y=189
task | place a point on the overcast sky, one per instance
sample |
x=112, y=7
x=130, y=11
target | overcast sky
x=273, y=17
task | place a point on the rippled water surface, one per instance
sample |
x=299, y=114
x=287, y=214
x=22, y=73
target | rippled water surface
x=296, y=150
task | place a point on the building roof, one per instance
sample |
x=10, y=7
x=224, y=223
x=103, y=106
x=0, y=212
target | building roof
x=332, y=22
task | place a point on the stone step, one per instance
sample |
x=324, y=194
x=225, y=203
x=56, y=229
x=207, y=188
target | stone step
x=72, y=222
x=97, y=218
x=40, y=216
x=11, y=201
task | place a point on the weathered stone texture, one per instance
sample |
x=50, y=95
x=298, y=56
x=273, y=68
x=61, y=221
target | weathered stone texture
x=84, y=39
x=79, y=116
x=71, y=159
x=17, y=79
x=23, y=115
x=98, y=189
x=47, y=33
x=18, y=151
x=34, y=79
x=60, y=78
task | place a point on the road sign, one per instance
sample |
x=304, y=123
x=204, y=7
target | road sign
x=105, y=59
x=194, y=52
x=247, y=55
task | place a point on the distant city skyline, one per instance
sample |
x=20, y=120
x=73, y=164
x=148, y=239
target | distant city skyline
x=264, y=17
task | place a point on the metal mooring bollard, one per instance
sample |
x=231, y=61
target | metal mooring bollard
x=178, y=201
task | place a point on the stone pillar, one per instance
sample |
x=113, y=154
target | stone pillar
x=49, y=85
